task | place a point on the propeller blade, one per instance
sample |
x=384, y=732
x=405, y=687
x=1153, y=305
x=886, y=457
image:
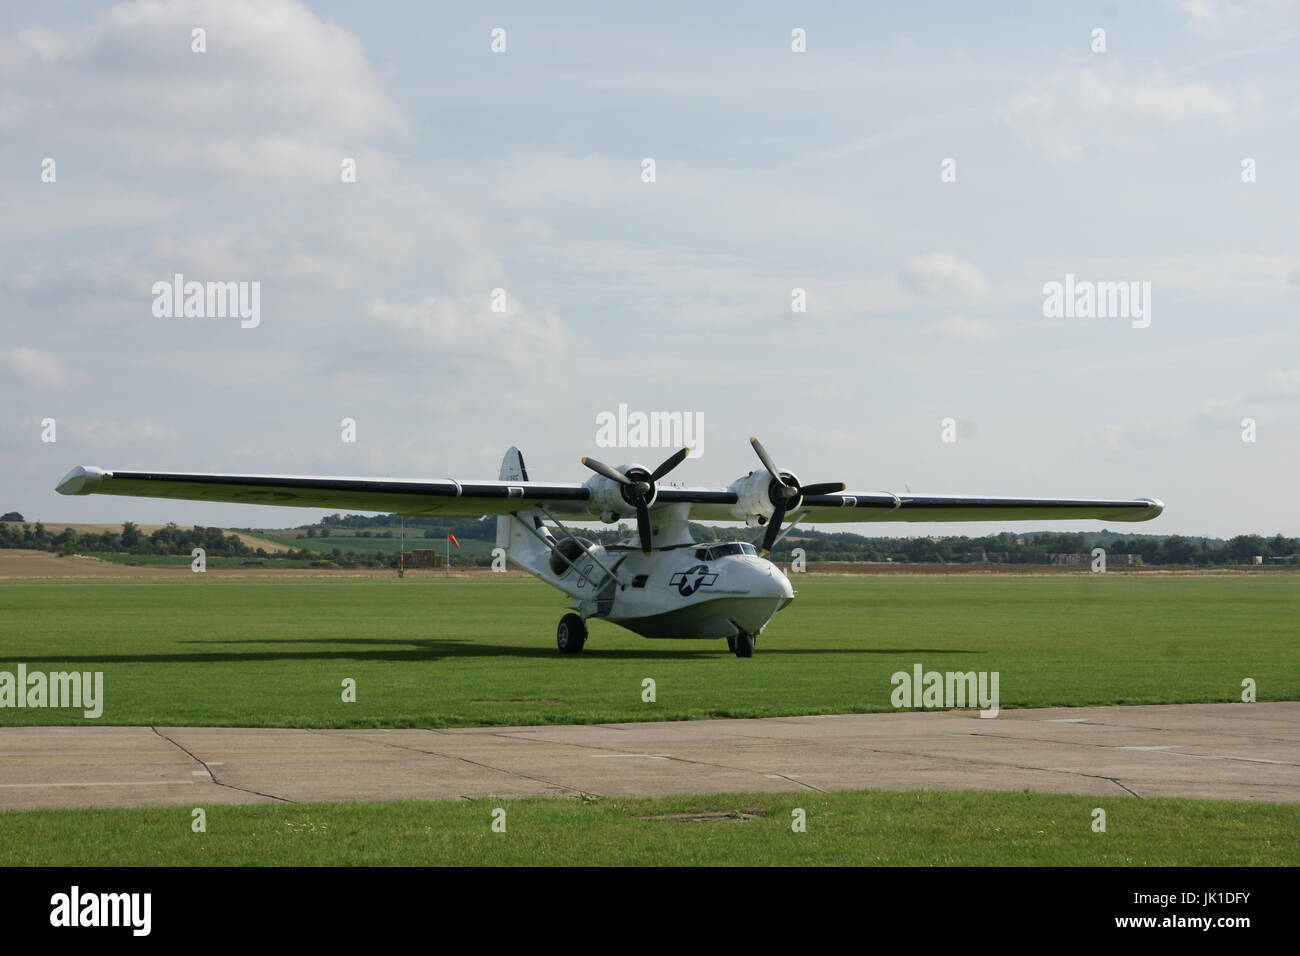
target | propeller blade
x=643, y=524
x=670, y=464
x=825, y=488
x=773, y=527
x=613, y=474
x=789, y=490
x=767, y=461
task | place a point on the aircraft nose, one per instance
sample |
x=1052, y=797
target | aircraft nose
x=768, y=580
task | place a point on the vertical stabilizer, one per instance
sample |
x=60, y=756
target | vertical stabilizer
x=521, y=546
x=512, y=466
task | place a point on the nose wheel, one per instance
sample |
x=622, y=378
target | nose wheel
x=571, y=635
x=742, y=645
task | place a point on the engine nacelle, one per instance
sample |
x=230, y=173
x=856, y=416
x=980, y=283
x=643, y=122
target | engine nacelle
x=756, y=496
x=567, y=553
x=610, y=500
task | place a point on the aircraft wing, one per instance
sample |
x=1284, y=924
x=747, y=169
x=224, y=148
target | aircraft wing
x=877, y=506
x=444, y=497
x=710, y=505
x=472, y=499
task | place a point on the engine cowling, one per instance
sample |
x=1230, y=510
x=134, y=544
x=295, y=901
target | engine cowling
x=783, y=491
x=611, y=501
x=756, y=496
x=571, y=549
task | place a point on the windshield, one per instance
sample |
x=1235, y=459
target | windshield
x=722, y=550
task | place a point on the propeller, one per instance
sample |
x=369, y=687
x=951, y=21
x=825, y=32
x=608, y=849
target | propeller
x=638, y=487
x=786, y=494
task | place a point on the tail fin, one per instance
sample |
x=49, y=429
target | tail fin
x=520, y=545
x=512, y=466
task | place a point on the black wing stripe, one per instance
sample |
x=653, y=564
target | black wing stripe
x=887, y=502
x=676, y=495
x=443, y=489
x=913, y=503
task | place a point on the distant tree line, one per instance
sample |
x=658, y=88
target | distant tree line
x=130, y=540
x=430, y=527
x=171, y=540
x=1032, y=548
x=1004, y=547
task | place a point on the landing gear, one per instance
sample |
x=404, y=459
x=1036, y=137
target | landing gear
x=742, y=645
x=571, y=635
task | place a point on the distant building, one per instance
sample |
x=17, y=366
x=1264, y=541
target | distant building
x=1112, y=560
x=421, y=558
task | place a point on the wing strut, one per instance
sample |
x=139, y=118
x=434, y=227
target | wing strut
x=555, y=550
x=568, y=533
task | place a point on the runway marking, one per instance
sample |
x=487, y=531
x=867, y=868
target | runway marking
x=1161, y=747
x=127, y=783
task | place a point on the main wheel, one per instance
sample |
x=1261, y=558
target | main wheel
x=571, y=635
x=742, y=644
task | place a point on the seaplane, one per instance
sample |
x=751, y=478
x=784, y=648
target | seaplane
x=657, y=582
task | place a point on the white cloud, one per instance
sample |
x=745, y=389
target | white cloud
x=941, y=275
x=1209, y=16
x=1072, y=113
x=39, y=369
x=130, y=81
x=46, y=44
x=464, y=333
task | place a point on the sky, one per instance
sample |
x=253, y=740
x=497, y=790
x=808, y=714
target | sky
x=921, y=171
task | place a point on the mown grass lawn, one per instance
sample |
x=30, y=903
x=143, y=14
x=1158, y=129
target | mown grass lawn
x=436, y=652
x=854, y=828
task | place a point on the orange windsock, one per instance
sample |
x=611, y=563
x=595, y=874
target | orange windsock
x=452, y=539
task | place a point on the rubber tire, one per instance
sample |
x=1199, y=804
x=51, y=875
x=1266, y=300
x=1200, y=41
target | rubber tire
x=731, y=644
x=744, y=645
x=571, y=634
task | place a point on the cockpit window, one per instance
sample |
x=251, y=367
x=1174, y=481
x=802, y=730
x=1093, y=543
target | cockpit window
x=722, y=550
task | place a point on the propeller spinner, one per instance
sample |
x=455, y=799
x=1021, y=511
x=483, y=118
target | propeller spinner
x=786, y=494
x=638, y=487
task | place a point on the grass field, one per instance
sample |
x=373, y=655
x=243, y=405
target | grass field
x=848, y=828
x=459, y=652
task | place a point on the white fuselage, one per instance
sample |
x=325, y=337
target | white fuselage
x=707, y=590
x=679, y=590
x=685, y=592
